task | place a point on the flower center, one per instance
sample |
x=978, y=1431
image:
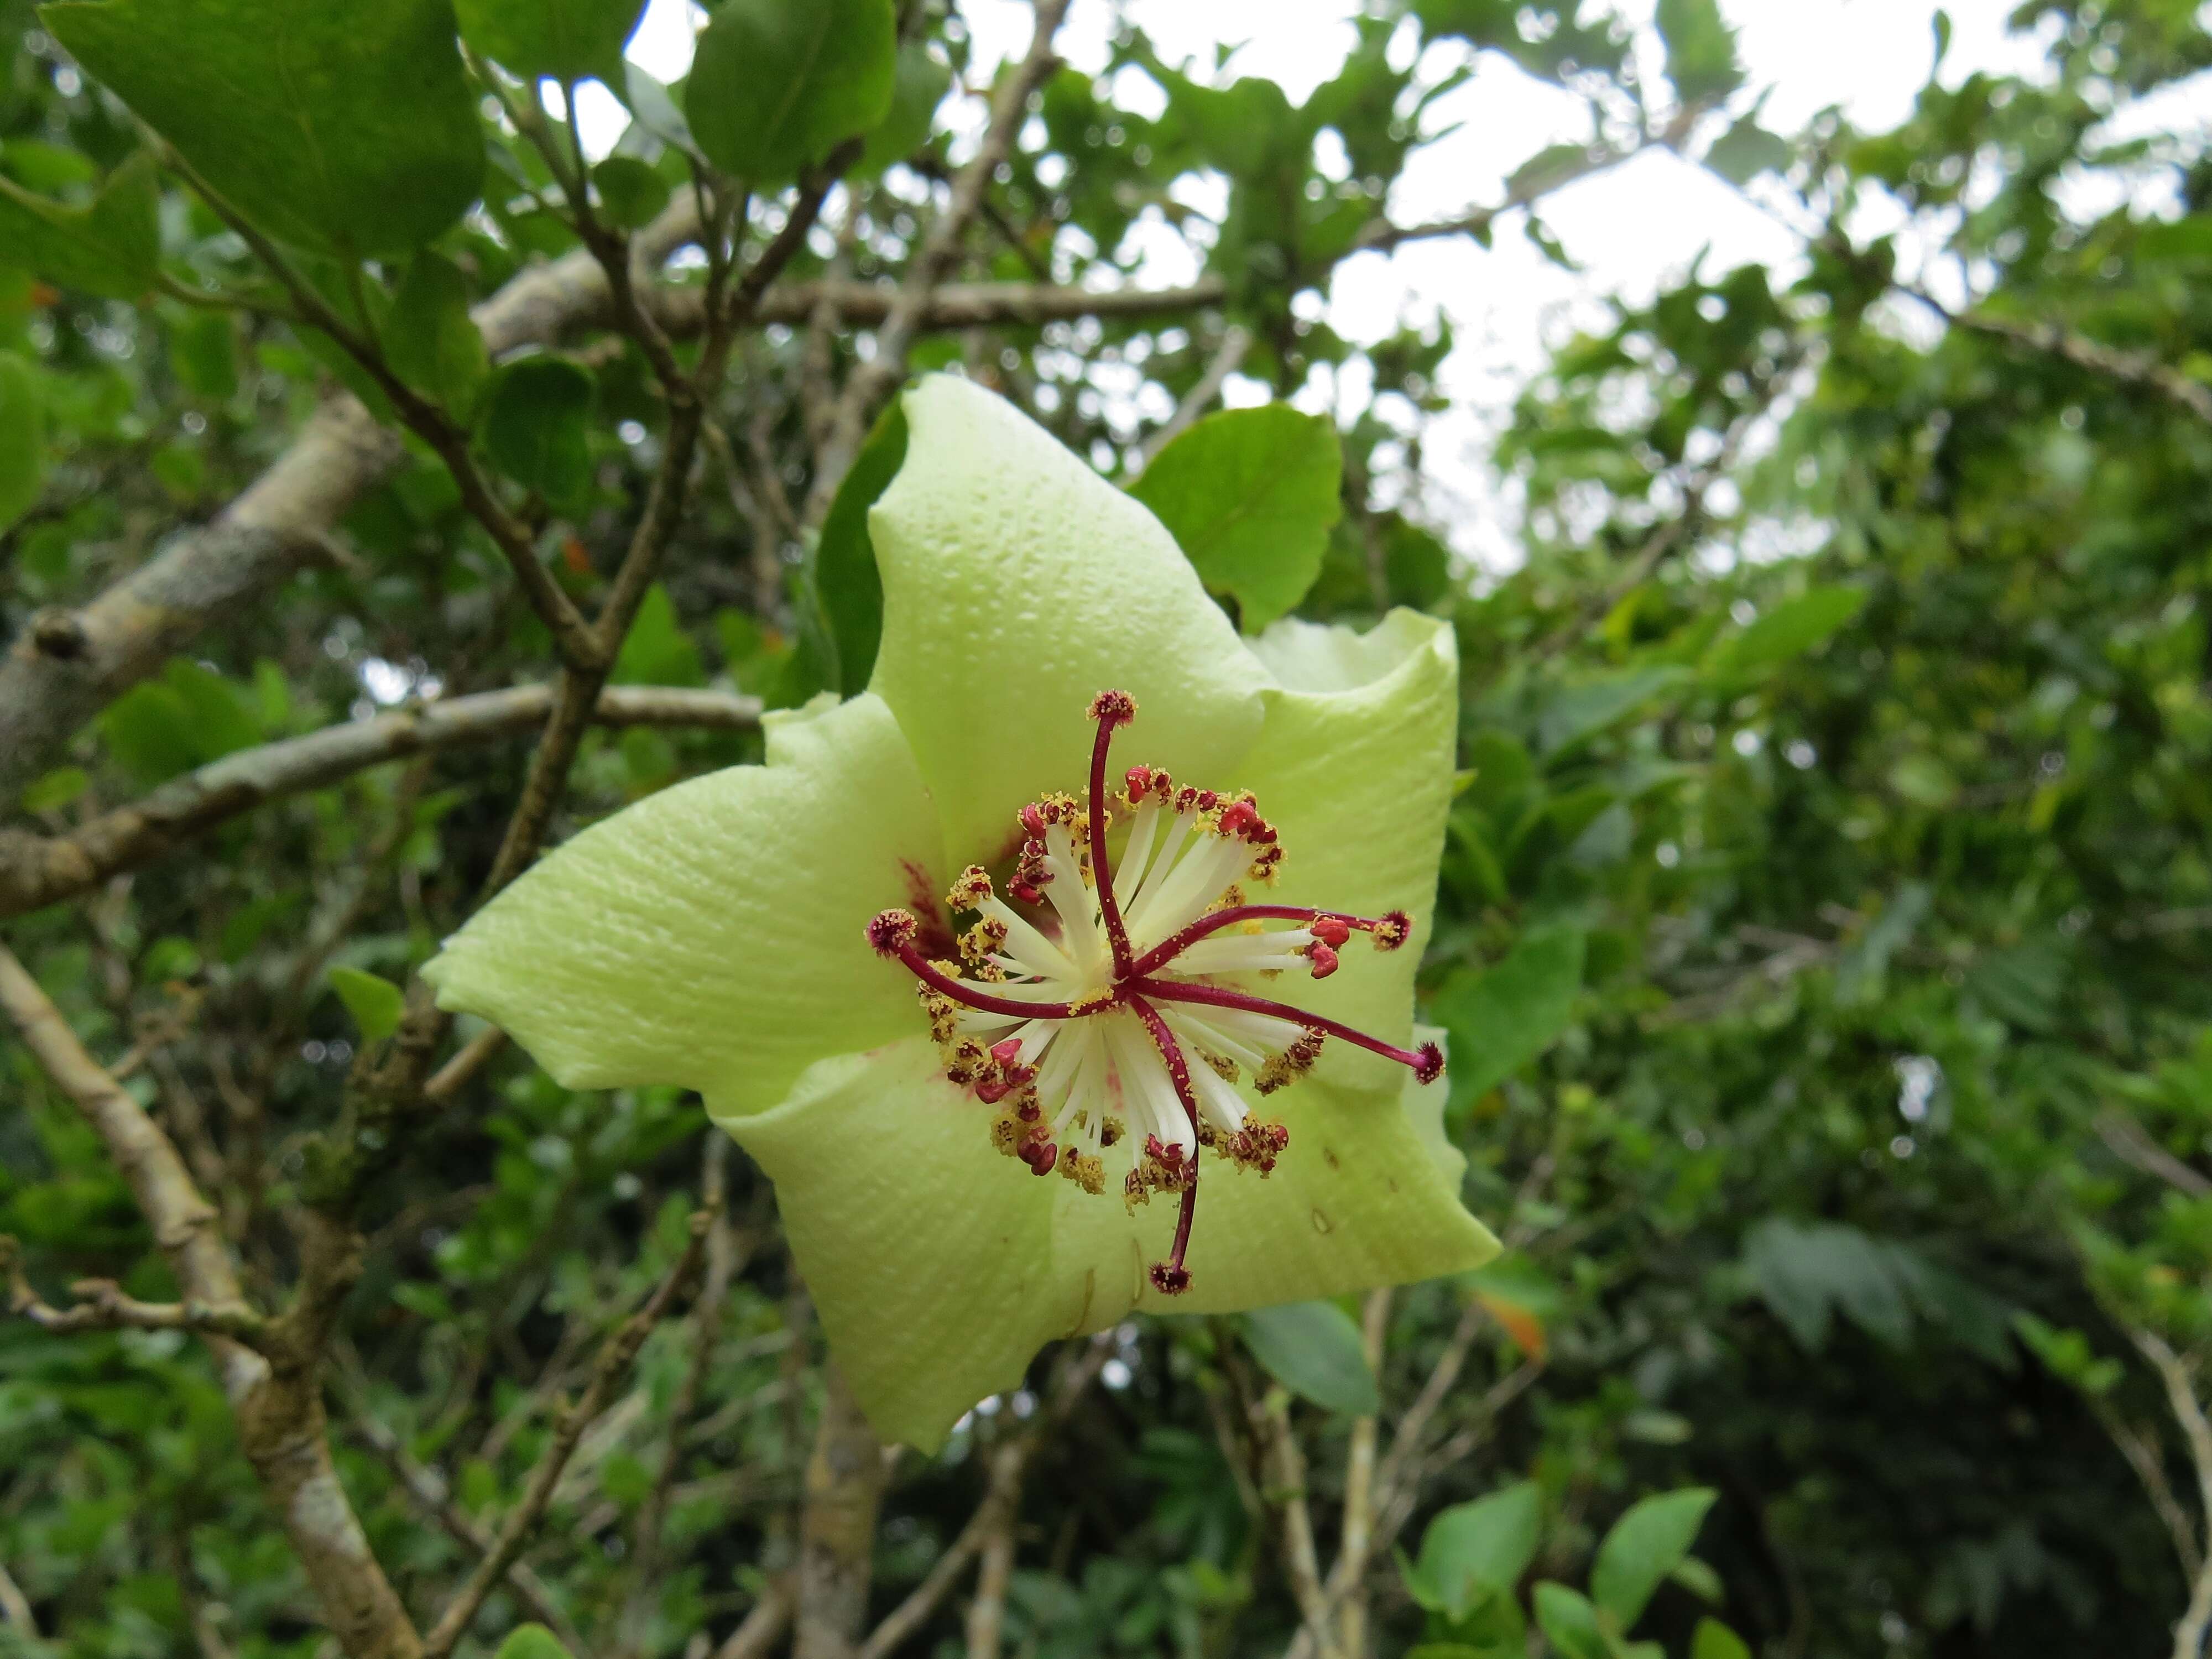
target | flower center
x=1105, y=1017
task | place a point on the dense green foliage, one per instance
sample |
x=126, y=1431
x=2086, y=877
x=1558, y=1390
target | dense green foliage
x=1823, y=932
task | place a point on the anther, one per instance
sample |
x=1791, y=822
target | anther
x=892, y=932
x=969, y=889
x=1323, y=959
x=1330, y=930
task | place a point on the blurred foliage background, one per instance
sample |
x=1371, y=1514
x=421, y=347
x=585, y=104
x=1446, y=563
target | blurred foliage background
x=1823, y=932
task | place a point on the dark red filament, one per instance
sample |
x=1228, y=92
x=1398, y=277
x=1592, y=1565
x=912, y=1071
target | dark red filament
x=1171, y=1277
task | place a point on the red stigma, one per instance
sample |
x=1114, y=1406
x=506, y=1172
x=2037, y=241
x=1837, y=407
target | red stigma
x=1240, y=817
x=1433, y=1064
x=1139, y=779
x=1008, y=1052
x=1033, y=820
x=1171, y=1279
x=1113, y=708
x=1331, y=930
x=891, y=932
x=1324, y=959
x=1392, y=930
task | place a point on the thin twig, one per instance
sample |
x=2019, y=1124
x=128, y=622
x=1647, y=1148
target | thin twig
x=1228, y=358
x=2189, y=1635
x=2129, y=369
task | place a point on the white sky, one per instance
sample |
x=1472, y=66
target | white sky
x=1631, y=230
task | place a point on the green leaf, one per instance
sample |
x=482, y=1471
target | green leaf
x=1804, y=1273
x=631, y=193
x=1474, y=1550
x=847, y=587
x=1700, y=1579
x=654, y=109
x=1715, y=1640
x=1747, y=149
x=1503, y=1017
x=564, y=40
x=203, y=352
x=1569, y=1623
x=919, y=84
x=657, y=651
x=348, y=129
x=1313, y=1349
x=537, y=427
x=1645, y=1546
x=1700, y=50
x=56, y=790
x=375, y=1005
x=775, y=87
x=1249, y=495
x=531, y=1642
x=1789, y=630
x=1587, y=706
x=430, y=338
x=22, y=437
x=111, y=247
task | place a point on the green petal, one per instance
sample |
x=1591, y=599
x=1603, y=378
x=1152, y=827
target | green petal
x=713, y=935
x=1018, y=585
x=1354, y=767
x=928, y=1254
x=1366, y=1195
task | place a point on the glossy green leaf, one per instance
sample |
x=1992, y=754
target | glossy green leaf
x=1569, y=1623
x=22, y=437
x=849, y=588
x=1501, y=1017
x=1313, y=1349
x=775, y=87
x=1645, y=1546
x=375, y=1003
x=1474, y=1550
x=1249, y=495
x=348, y=129
x=564, y=40
x=430, y=338
x=1714, y=1640
x=112, y=245
x=537, y=427
x=631, y=194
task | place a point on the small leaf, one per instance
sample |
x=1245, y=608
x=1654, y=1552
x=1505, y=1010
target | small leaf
x=564, y=40
x=1502, y=1017
x=1747, y=149
x=775, y=87
x=1790, y=629
x=1471, y=1551
x=654, y=109
x=203, y=352
x=918, y=86
x=531, y=1642
x=537, y=426
x=1569, y=1623
x=1701, y=1580
x=110, y=248
x=22, y=437
x=1249, y=495
x=430, y=338
x=348, y=129
x=375, y=1004
x=846, y=584
x=631, y=193
x=1313, y=1349
x=657, y=651
x=1701, y=58
x=56, y=790
x=1715, y=1640
x=1645, y=1546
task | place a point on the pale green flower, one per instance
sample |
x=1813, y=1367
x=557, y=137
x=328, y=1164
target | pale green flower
x=717, y=935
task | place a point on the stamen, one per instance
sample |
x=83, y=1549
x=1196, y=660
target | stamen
x=1171, y=1277
x=1427, y=1061
x=1110, y=709
x=1390, y=931
x=891, y=934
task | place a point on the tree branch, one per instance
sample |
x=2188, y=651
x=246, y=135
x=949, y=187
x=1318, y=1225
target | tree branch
x=2131, y=368
x=273, y=1397
x=837, y=1525
x=608, y=1375
x=2196, y=1621
x=36, y=871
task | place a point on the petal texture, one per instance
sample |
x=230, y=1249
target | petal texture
x=1018, y=585
x=1354, y=767
x=713, y=935
x=928, y=1255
